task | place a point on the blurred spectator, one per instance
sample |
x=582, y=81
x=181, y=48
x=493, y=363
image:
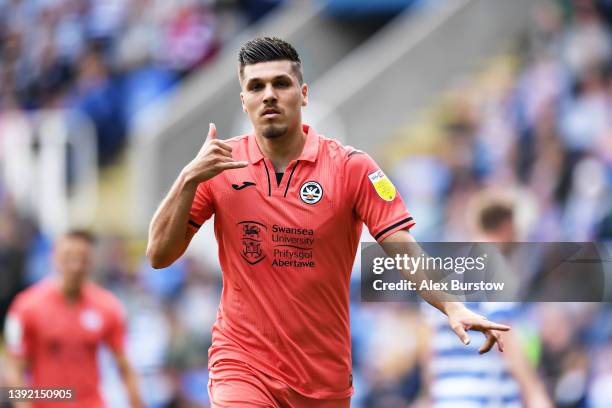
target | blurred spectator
x=108, y=59
x=458, y=375
x=98, y=96
x=13, y=252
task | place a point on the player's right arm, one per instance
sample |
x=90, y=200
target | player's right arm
x=169, y=232
x=16, y=337
x=16, y=372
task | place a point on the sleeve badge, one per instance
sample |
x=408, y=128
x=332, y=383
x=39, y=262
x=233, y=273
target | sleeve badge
x=383, y=186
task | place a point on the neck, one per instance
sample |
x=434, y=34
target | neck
x=281, y=150
x=71, y=293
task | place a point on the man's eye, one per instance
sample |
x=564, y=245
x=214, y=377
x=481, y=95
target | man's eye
x=282, y=84
x=256, y=87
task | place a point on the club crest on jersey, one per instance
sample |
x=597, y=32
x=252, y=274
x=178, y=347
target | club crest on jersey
x=311, y=192
x=91, y=320
x=251, y=236
x=383, y=186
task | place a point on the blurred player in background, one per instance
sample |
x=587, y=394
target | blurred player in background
x=289, y=206
x=55, y=328
x=458, y=377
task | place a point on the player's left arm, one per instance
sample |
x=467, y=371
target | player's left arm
x=130, y=379
x=377, y=203
x=115, y=340
x=460, y=318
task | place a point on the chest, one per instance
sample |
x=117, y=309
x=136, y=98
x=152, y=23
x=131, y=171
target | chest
x=308, y=195
x=64, y=328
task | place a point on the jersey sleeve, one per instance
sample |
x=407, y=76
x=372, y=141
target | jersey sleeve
x=202, y=207
x=115, y=330
x=17, y=329
x=376, y=200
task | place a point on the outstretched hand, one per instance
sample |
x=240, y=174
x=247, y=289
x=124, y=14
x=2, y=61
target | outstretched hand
x=214, y=157
x=461, y=320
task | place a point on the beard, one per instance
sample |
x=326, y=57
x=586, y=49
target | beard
x=274, y=131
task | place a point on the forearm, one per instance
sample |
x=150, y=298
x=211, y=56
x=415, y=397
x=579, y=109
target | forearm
x=532, y=389
x=131, y=385
x=130, y=380
x=169, y=231
x=16, y=377
x=402, y=243
x=15, y=371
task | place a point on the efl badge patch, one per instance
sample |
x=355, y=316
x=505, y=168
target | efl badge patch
x=311, y=192
x=383, y=186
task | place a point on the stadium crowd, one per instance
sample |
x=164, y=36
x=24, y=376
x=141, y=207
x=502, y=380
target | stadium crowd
x=108, y=59
x=538, y=124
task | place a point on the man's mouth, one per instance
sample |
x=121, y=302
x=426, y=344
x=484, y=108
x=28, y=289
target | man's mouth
x=270, y=113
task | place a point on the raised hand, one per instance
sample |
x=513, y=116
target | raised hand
x=214, y=157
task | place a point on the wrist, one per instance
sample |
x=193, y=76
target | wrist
x=449, y=308
x=188, y=179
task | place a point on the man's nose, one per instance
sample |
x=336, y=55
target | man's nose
x=269, y=94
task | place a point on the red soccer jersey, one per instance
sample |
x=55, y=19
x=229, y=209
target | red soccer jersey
x=60, y=339
x=287, y=251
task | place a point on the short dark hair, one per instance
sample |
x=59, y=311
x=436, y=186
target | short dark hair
x=264, y=49
x=494, y=215
x=78, y=233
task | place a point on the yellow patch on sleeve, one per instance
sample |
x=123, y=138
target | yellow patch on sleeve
x=383, y=186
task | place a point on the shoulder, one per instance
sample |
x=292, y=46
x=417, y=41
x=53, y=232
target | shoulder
x=31, y=298
x=339, y=152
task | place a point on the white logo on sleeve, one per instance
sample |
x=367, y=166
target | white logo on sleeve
x=13, y=333
x=311, y=192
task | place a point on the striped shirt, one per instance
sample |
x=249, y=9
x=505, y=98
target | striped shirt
x=462, y=378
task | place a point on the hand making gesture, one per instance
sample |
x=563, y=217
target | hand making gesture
x=461, y=319
x=214, y=157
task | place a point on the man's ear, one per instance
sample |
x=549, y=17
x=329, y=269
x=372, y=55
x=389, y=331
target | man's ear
x=242, y=102
x=304, y=95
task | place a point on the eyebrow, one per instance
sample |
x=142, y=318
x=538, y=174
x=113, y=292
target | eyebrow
x=257, y=79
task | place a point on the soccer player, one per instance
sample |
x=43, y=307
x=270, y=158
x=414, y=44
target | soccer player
x=289, y=206
x=458, y=377
x=55, y=328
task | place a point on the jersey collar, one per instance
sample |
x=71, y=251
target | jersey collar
x=309, y=153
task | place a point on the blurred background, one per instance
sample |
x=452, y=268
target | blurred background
x=103, y=102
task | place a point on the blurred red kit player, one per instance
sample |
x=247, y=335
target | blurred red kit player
x=289, y=206
x=54, y=330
